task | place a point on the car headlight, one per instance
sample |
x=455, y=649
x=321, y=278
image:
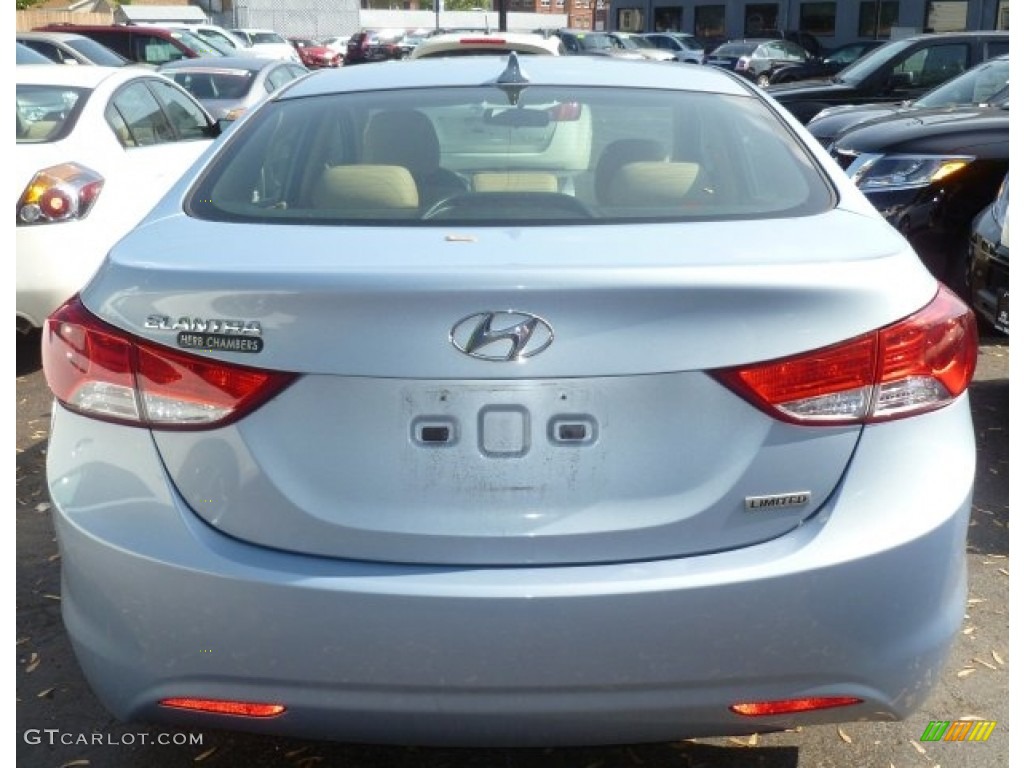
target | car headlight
x=892, y=172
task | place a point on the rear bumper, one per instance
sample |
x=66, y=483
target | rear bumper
x=863, y=600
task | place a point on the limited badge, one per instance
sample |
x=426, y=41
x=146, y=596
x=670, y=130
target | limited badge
x=778, y=500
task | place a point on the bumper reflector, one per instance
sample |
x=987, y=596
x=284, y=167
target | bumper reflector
x=787, y=706
x=225, y=707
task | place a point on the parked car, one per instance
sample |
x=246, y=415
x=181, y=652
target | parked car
x=482, y=43
x=930, y=172
x=139, y=43
x=805, y=40
x=336, y=43
x=988, y=266
x=825, y=67
x=267, y=42
x=369, y=45
x=756, y=59
x=629, y=41
x=71, y=48
x=897, y=71
x=501, y=468
x=584, y=43
x=986, y=84
x=314, y=55
x=238, y=45
x=411, y=40
x=230, y=86
x=684, y=47
x=96, y=148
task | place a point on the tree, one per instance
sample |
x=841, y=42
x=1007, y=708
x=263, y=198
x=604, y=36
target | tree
x=21, y=5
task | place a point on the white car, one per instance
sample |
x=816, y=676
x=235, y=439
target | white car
x=482, y=43
x=96, y=148
x=267, y=42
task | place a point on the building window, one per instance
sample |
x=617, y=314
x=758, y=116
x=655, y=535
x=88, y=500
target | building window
x=1003, y=15
x=877, y=18
x=631, y=20
x=668, y=19
x=759, y=17
x=545, y=3
x=709, y=21
x=818, y=19
x=946, y=16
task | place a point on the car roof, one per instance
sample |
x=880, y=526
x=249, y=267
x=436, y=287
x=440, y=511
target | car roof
x=81, y=77
x=436, y=72
x=50, y=35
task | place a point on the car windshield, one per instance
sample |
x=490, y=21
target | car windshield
x=869, y=63
x=267, y=37
x=561, y=155
x=690, y=43
x=734, y=49
x=47, y=113
x=975, y=86
x=96, y=53
x=198, y=44
x=226, y=84
x=596, y=42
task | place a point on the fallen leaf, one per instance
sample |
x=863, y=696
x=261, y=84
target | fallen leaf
x=23, y=640
x=752, y=741
x=45, y=694
x=969, y=630
x=843, y=736
x=48, y=596
x=203, y=755
x=966, y=672
x=999, y=659
x=985, y=664
x=33, y=663
x=43, y=507
x=918, y=747
x=51, y=558
x=997, y=557
x=1004, y=572
x=73, y=763
x=976, y=600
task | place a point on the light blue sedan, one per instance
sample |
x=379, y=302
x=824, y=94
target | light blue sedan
x=500, y=401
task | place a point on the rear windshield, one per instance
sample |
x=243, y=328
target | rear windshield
x=734, y=49
x=431, y=156
x=47, y=113
x=226, y=84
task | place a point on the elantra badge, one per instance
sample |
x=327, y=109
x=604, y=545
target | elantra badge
x=505, y=336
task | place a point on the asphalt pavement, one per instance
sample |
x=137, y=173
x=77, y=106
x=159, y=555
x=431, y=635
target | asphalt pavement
x=60, y=724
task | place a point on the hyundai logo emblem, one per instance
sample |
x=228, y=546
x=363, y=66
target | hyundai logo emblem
x=501, y=336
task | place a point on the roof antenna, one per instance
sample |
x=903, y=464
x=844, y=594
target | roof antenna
x=513, y=81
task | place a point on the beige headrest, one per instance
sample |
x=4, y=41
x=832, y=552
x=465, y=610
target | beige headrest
x=365, y=187
x=652, y=184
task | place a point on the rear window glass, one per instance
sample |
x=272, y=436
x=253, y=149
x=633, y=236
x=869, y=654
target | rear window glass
x=233, y=84
x=561, y=155
x=47, y=113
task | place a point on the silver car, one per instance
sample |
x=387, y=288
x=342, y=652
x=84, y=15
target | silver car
x=228, y=86
x=481, y=401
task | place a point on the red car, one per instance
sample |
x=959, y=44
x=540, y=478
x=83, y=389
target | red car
x=314, y=55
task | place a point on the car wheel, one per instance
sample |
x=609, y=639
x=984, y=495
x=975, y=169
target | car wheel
x=764, y=79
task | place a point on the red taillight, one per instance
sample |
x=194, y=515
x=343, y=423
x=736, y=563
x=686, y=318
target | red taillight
x=481, y=41
x=100, y=371
x=788, y=706
x=918, y=364
x=61, y=193
x=225, y=707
